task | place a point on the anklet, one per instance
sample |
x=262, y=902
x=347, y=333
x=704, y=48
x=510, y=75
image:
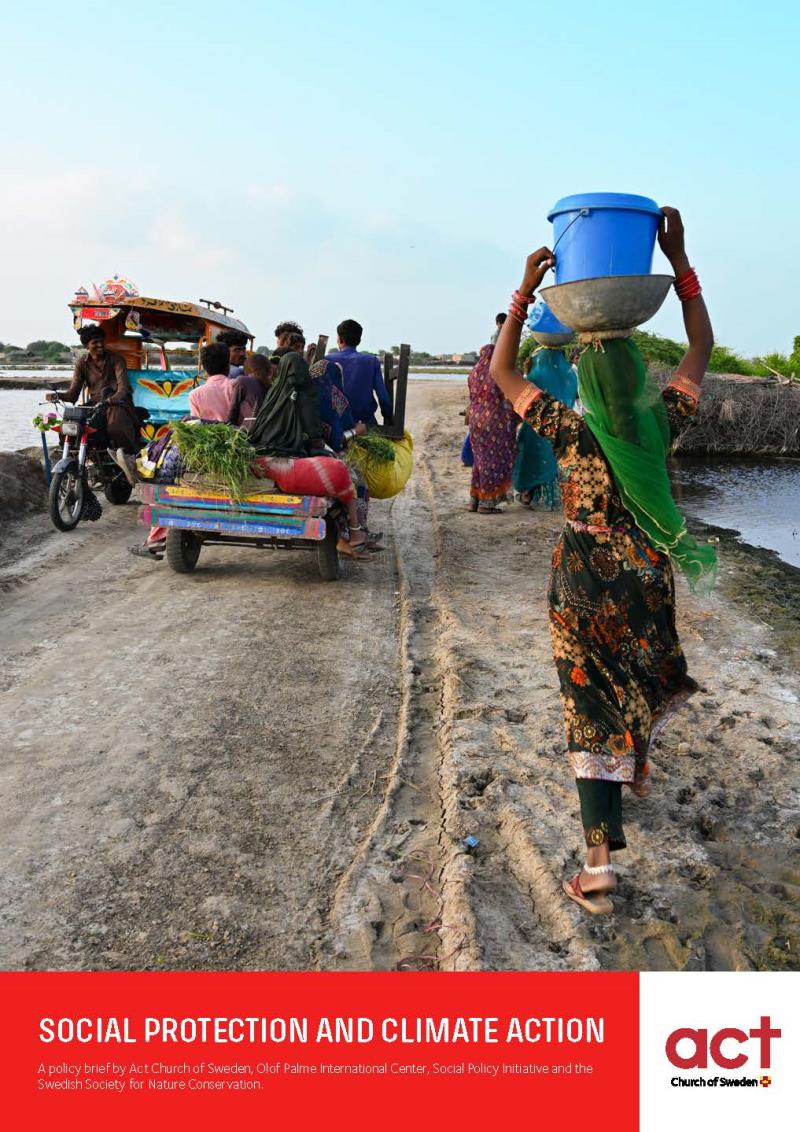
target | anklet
x=598, y=870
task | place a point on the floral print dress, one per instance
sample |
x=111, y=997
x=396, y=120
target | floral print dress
x=612, y=609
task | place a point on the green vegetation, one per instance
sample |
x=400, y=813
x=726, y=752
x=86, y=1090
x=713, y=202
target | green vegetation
x=219, y=451
x=371, y=448
x=42, y=350
x=660, y=351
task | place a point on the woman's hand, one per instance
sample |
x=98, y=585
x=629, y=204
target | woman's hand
x=671, y=239
x=536, y=266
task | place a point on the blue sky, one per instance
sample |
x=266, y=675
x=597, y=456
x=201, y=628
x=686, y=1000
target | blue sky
x=392, y=163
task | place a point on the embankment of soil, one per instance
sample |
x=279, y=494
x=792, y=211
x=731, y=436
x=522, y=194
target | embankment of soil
x=23, y=487
x=57, y=380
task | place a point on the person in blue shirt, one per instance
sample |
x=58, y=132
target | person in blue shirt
x=364, y=386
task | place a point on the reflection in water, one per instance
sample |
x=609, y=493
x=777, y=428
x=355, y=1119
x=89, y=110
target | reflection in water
x=761, y=500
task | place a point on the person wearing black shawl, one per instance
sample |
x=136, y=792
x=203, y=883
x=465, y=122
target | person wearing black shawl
x=288, y=422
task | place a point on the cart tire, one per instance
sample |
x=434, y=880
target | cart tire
x=330, y=568
x=183, y=550
x=118, y=490
x=65, y=499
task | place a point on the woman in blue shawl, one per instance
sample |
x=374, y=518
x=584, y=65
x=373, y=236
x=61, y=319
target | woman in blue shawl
x=535, y=469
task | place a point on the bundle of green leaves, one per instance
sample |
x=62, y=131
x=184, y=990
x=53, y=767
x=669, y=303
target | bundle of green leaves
x=219, y=451
x=369, y=450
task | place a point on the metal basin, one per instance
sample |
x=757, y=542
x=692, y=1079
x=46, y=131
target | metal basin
x=613, y=302
x=545, y=339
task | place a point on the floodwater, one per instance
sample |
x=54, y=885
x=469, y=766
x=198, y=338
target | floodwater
x=759, y=499
x=18, y=407
x=439, y=375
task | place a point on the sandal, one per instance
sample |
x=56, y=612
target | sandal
x=149, y=550
x=359, y=552
x=491, y=511
x=596, y=902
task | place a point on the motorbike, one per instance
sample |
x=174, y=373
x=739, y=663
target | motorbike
x=83, y=466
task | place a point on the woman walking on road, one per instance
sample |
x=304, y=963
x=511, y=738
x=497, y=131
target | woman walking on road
x=612, y=597
x=535, y=468
x=493, y=435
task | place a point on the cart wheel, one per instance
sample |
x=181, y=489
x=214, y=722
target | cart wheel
x=183, y=550
x=330, y=568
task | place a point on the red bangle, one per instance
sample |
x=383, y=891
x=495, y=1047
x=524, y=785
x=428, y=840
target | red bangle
x=687, y=286
x=519, y=312
x=523, y=300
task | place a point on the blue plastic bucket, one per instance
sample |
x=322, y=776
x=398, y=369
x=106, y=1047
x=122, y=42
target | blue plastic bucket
x=543, y=321
x=600, y=234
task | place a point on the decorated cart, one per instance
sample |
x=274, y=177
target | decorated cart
x=195, y=515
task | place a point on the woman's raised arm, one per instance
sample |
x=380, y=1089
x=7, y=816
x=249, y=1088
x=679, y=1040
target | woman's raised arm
x=504, y=359
x=695, y=315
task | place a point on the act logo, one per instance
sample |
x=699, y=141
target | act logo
x=724, y=1048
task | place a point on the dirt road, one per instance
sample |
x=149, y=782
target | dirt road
x=247, y=768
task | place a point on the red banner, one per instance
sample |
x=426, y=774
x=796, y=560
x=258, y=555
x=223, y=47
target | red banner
x=148, y=1051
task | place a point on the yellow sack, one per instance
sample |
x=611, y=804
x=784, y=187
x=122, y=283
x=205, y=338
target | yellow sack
x=388, y=479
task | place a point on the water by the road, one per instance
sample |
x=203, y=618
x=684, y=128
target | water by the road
x=759, y=499
x=439, y=375
x=18, y=407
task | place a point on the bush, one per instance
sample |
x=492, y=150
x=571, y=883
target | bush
x=771, y=364
x=657, y=350
x=42, y=347
x=723, y=360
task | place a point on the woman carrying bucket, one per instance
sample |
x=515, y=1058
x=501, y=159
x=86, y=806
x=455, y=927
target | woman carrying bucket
x=535, y=468
x=611, y=597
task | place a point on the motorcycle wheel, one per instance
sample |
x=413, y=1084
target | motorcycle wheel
x=183, y=550
x=118, y=490
x=65, y=500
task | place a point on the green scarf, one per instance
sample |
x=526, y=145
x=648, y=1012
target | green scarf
x=626, y=414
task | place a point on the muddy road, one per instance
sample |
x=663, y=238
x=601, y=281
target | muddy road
x=249, y=768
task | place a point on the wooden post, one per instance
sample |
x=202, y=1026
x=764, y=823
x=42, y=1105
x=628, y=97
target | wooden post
x=321, y=348
x=388, y=377
x=401, y=385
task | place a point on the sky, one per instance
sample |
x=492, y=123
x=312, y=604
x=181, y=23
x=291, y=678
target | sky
x=392, y=163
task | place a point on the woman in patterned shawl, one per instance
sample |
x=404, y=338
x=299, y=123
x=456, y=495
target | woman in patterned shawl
x=493, y=434
x=612, y=595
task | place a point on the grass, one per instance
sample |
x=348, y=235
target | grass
x=369, y=451
x=219, y=451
